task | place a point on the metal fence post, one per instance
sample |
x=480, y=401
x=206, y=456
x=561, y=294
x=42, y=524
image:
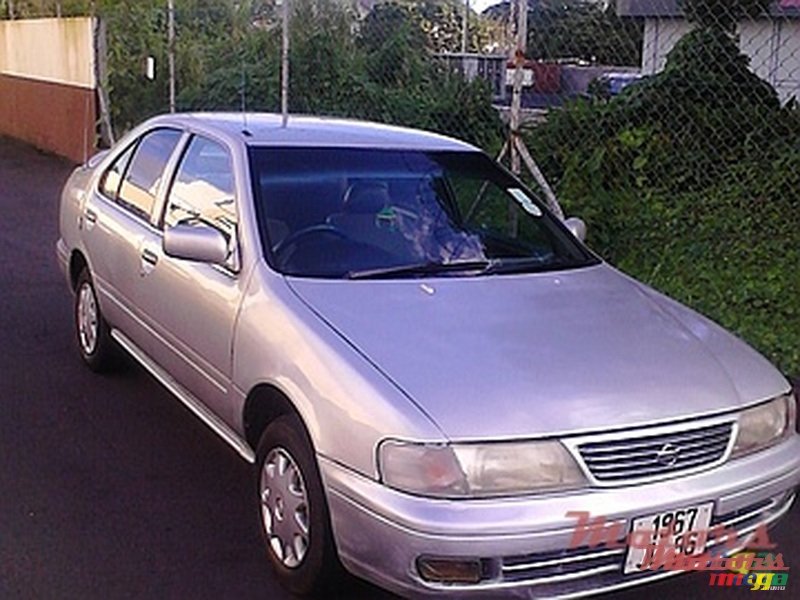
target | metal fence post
x=285, y=64
x=516, y=94
x=465, y=28
x=171, y=53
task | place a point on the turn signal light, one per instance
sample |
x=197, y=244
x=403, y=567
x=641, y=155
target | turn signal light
x=450, y=570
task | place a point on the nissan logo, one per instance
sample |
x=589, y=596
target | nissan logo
x=668, y=455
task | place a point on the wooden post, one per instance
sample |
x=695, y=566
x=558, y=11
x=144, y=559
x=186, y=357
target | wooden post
x=516, y=145
x=549, y=194
x=101, y=80
x=515, y=118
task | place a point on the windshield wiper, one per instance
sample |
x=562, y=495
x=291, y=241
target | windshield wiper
x=425, y=268
x=497, y=266
x=530, y=265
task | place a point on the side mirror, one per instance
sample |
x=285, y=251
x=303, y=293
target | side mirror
x=197, y=242
x=577, y=227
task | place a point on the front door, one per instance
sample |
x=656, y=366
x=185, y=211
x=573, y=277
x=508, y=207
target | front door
x=193, y=305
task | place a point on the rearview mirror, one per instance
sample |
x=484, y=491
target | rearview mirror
x=197, y=242
x=577, y=227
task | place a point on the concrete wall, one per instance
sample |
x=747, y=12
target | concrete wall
x=773, y=46
x=47, y=84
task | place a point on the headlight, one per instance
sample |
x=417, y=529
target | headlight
x=478, y=470
x=765, y=425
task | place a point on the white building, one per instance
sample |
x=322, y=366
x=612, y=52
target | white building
x=771, y=42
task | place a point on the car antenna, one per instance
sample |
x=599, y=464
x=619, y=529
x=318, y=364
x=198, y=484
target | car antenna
x=245, y=131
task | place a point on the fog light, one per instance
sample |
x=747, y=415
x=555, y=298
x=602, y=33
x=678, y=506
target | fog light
x=450, y=570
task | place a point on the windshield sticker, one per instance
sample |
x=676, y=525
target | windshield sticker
x=525, y=202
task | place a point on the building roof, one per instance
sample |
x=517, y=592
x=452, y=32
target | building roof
x=266, y=129
x=672, y=8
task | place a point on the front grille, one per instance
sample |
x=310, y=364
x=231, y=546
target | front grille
x=565, y=565
x=624, y=459
x=580, y=570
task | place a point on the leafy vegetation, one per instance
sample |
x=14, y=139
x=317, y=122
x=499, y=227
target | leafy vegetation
x=689, y=182
x=379, y=67
x=587, y=30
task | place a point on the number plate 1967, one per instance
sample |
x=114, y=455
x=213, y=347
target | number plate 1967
x=673, y=525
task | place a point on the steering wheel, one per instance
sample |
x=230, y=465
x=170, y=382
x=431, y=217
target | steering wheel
x=320, y=229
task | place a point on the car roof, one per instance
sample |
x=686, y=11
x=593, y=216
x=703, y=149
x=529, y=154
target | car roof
x=267, y=129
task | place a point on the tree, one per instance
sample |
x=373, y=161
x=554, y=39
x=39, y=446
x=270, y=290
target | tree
x=577, y=29
x=583, y=29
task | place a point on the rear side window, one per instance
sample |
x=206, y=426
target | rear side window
x=109, y=185
x=146, y=170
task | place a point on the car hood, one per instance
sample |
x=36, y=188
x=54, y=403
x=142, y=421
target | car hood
x=540, y=354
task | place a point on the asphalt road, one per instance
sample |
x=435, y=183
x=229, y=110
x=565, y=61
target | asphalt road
x=109, y=488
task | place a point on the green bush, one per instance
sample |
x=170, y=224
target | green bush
x=689, y=182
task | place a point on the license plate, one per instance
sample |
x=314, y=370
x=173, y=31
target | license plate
x=679, y=522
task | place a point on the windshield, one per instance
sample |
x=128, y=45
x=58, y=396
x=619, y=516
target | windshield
x=366, y=213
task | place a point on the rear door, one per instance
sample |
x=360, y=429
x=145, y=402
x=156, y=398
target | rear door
x=117, y=223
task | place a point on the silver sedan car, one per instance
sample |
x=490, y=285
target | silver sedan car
x=431, y=374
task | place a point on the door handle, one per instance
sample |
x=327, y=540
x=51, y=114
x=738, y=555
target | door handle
x=90, y=219
x=149, y=257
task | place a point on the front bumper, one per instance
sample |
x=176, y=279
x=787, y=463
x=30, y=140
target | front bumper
x=62, y=256
x=380, y=533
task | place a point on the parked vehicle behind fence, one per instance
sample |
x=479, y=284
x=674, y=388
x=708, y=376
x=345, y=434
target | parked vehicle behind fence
x=431, y=373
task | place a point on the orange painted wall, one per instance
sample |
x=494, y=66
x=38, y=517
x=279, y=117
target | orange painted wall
x=56, y=117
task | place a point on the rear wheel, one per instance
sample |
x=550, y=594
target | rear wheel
x=94, y=340
x=294, y=514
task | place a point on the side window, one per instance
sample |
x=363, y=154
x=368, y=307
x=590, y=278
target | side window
x=140, y=184
x=109, y=184
x=204, y=189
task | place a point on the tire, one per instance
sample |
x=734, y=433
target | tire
x=293, y=511
x=91, y=330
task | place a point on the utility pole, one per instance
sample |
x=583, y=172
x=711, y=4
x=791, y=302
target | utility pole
x=171, y=52
x=465, y=28
x=285, y=64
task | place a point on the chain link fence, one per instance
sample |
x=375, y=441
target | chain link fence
x=671, y=126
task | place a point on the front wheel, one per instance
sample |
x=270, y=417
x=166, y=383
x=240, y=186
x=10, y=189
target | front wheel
x=294, y=514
